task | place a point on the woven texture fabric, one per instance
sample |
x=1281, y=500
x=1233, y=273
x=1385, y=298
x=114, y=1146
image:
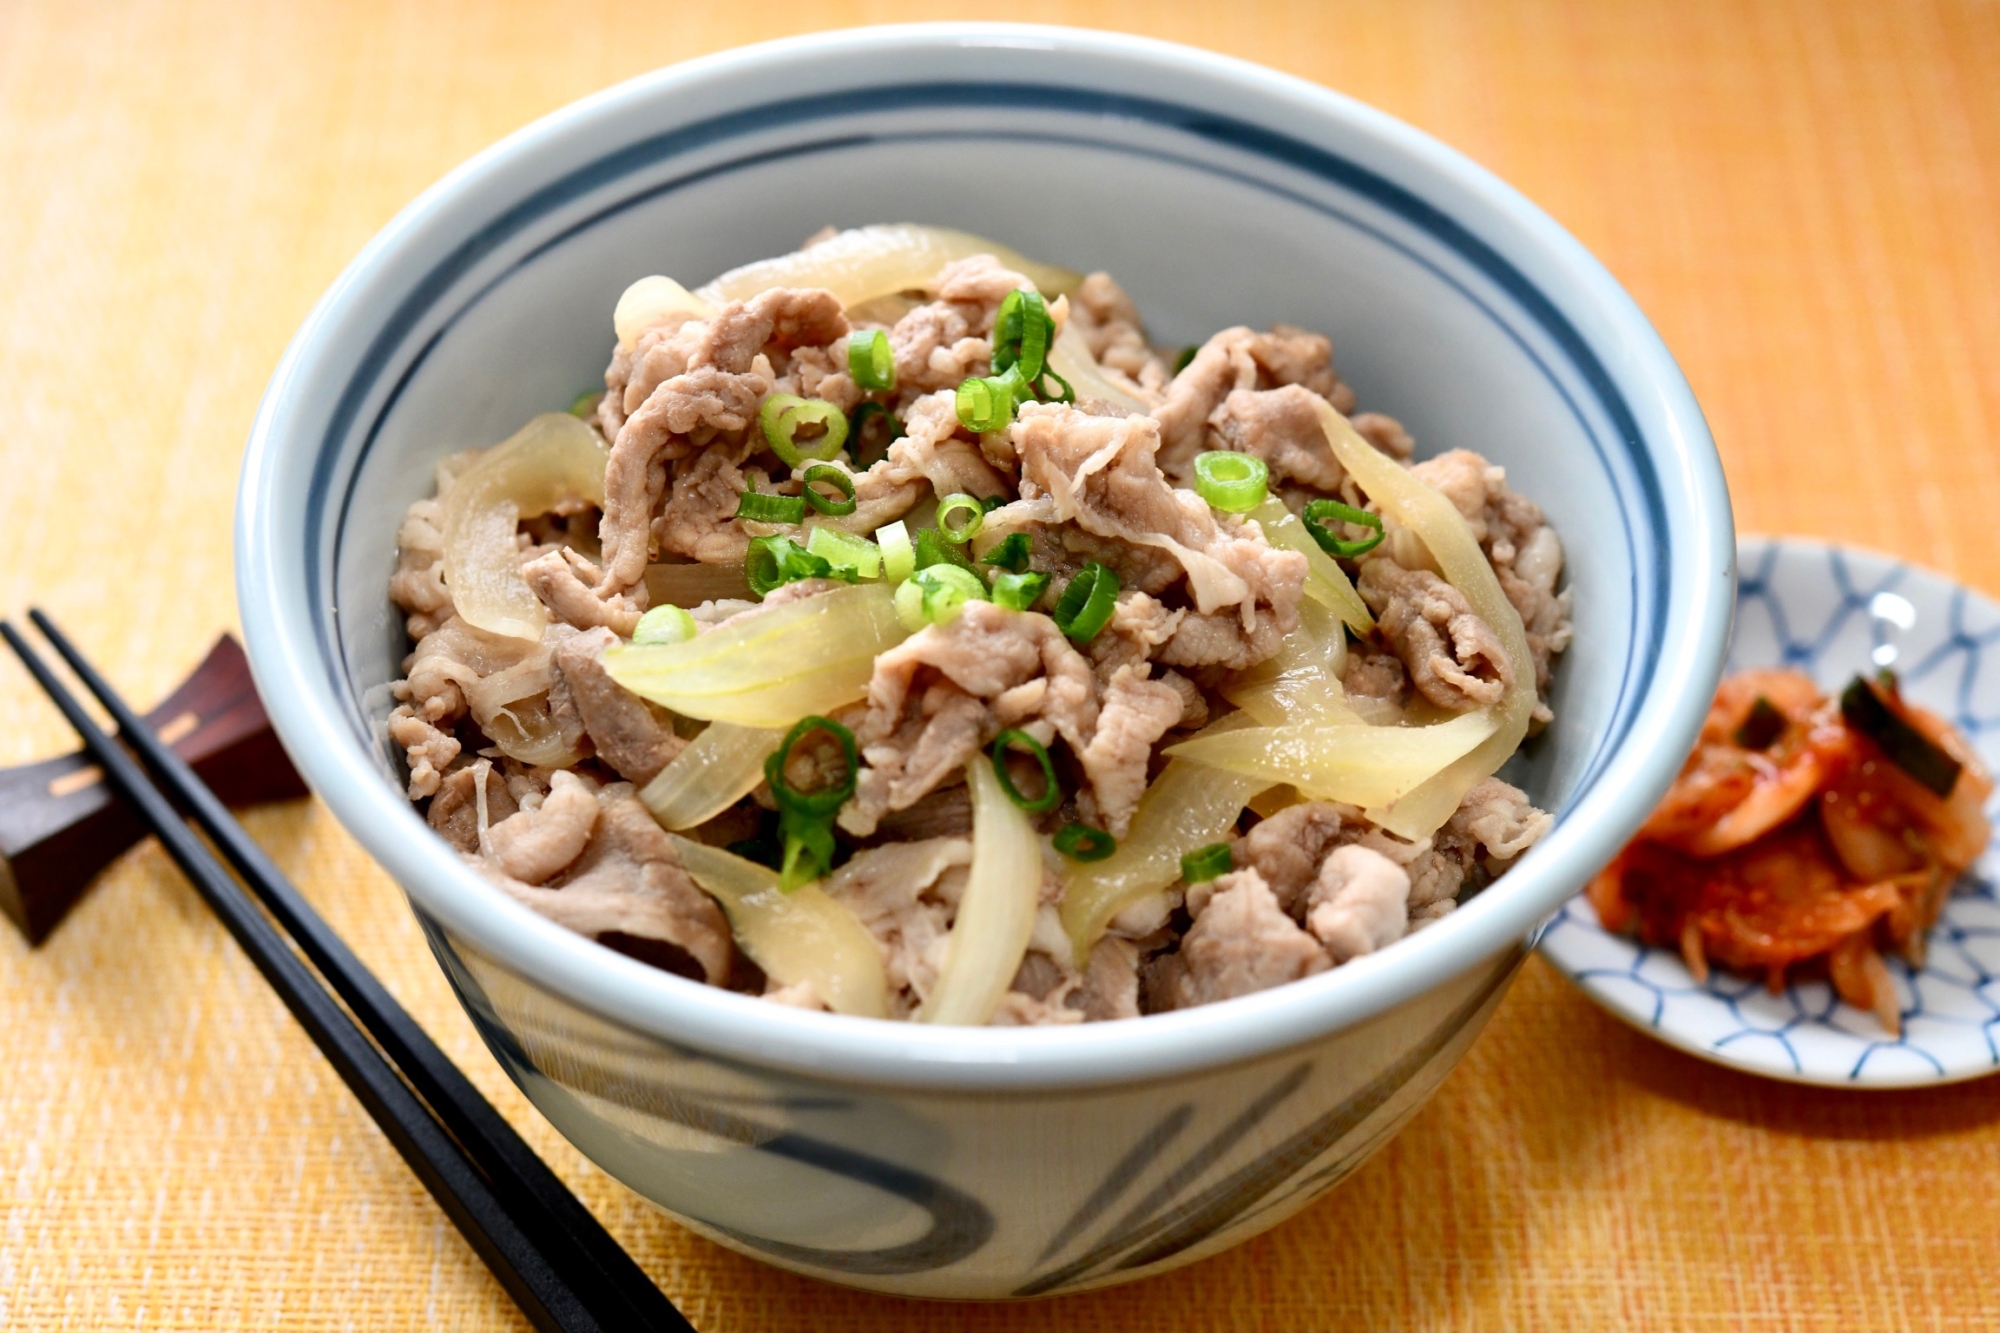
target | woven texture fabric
x=1802, y=197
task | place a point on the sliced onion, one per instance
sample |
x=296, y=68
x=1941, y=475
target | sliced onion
x=650, y=300
x=1326, y=582
x=1301, y=681
x=804, y=935
x=1069, y=357
x=1188, y=806
x=1424, y=510
x=716, y=770
x=1361, y=765
x=693, y=584
x=989, y=936
x=772, y=668
x=870, y=262
x=553, y=458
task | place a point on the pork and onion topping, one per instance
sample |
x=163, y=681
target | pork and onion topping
x=902, y=633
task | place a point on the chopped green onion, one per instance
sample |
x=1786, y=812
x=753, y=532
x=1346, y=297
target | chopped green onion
x=773, y=562
x=856, y=424
x=1018, y=592
x=1022, y=332
x=934, y=548
x=870, y=360
x=1011, y=554
x=844, y=548
x=783, y=414
x=960, y=533
x=987, y=404
x=585, y=403
x=1204, y=864
x=1318, y=513
x=805, y=819
x=1014, y=738
x=1763, y=727
x=1081, y=842
x=991, y=503
x=1187, y=355
x=1906, y=747
x=1086, y=605
x=935, y=595
x=899, y=559
x=665, y=624
x=838, y=478
x=771, y=508
x=1233, y=483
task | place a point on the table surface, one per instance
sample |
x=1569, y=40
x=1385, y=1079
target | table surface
x=1801, y=195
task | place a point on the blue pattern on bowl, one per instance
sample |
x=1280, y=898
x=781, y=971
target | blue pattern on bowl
x=1830, y=612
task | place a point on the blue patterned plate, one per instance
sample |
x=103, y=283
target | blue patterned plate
x=1833, y=611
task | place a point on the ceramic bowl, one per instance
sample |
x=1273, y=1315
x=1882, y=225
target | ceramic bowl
x=989, y=1162
x=1833, y=612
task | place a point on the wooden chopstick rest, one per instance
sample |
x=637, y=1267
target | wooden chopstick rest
x=60, y=824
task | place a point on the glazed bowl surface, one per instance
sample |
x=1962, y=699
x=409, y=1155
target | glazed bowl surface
x=990, y=1162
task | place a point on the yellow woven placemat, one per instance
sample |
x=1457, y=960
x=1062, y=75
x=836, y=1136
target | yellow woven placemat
x=1802, y=196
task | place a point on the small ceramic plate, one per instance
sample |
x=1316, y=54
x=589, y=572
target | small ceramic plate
x=1833, y=611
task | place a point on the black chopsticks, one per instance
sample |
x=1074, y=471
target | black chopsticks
x=549, y=1252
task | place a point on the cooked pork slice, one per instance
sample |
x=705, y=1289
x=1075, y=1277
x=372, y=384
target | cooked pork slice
x=1241, y=358
x=943, y=342
x=1454, y=658
x=628, y=891
x=891, y=889
x=534, y=844
x=1099, y=473
x=1375, y=683
x=1498, y=817
x=417, y=586
x=688, y=384
x=1359, y=903
x=1282, y=427
x=1132, y=716
x=454, y=811
x=1242, y=942
x=427, y=749
x=1110, y=986
x=1109, y=323
x=631, y=735
x=1523, y=549
x=563, y=579
x=1385, y=433
x=941, y=694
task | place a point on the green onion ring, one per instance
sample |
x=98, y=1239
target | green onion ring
x=899, y=558
x=959, y=534
x=1086, y=605
x=1064, y=393
x=858, y=421
x=1206, y=863
x=806, y=818
x=665, y=624
x=1318, y=513
x=839, y=479
x=1081, y=842
x=772, y=562
x=1233, y=483
x=763, y=508
x=1051, y=792
x=870, y=360
x=781, y=416
x=987, y=404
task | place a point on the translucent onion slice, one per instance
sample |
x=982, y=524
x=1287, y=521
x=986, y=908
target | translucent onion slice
x=1069, y=357
x=650, y=300
x=989, y=937
x=1301, y=681
x=716, y=770
x=1188, y=806
x=804, y=935
x=691, y=585
x=1424, y=510
x=870, y=262
x=1326, y=582
x=1361, y=765
x=553, y=458
x=770, y=669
